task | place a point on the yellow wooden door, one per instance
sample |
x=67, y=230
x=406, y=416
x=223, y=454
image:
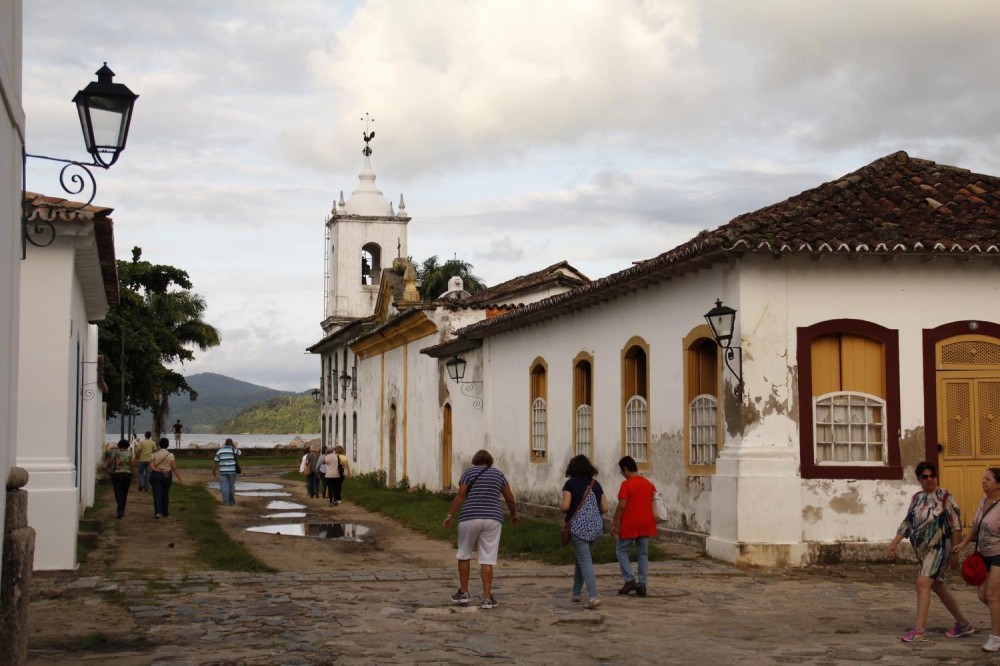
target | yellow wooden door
x=968, y=396
x=446, y=449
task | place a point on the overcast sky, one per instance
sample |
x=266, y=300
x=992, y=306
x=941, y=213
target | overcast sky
x=520, y=133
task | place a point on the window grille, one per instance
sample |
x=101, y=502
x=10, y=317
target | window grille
x=703, y=422
x=636, y=428
x=584, y=431
x=849, y=428
x=539, y=436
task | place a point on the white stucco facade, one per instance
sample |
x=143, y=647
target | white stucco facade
x=60, y=407
x=12, y=131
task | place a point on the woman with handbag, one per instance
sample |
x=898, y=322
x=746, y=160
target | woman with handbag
x=121, y=467
x=930, y=522
x=584, y=502
x=986, y=531
x=163, y=470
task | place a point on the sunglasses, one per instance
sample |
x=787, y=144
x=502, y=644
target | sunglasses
x=926, y=476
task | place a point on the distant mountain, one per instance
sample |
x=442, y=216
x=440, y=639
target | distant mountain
x=219, y=398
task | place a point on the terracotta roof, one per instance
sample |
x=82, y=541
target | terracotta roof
x=897, y=205
x=341, y=335
x=39, y=207
x=549, y=276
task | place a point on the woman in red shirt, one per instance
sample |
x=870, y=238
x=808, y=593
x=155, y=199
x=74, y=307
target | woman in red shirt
x=633, y=523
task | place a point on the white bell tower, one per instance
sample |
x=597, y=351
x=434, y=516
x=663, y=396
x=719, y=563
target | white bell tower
x=364, y=235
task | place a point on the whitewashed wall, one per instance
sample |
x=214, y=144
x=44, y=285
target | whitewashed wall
x=11, y=143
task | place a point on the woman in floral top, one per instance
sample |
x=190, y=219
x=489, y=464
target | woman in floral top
x=931, y=522
x=121, y=466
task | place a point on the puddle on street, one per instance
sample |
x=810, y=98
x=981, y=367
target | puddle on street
x=263, y=493
x=286, y=514
x=336, y=531
x=249, y=485
x=282, y=505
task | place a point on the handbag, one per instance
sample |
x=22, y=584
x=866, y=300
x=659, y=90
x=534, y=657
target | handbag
x=974, y=571
x=659, y=507
x=566, y=535
x=239, y=470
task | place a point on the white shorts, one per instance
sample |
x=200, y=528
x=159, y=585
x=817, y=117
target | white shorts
x=484, y=533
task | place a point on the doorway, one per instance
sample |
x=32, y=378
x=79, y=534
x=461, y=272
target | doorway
x=446, y=449
x=392, y=445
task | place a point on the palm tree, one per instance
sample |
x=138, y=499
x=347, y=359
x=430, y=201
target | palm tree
x=433, y=277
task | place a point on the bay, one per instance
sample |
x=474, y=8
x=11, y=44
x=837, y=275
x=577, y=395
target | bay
x=243, y=441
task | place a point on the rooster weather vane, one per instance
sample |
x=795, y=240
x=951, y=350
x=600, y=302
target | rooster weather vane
x=368, y=136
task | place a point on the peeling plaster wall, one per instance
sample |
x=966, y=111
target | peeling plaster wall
x=778, y=297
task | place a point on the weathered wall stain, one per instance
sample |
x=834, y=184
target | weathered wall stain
x=848, y=502
x=912, y=447
x=812, y=514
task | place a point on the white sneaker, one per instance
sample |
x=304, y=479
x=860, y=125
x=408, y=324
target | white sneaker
x=992, y=644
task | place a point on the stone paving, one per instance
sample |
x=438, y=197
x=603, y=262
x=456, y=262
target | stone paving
x=697, y=611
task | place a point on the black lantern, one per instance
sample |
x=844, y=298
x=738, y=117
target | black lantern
x=722, y=320
x=345, y=380
x=456, y=368
x=105, y=110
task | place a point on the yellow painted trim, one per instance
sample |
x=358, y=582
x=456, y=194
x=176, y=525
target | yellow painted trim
x=394, y=337
x=381, y=415
x=700, y=332
x=636, y=341
x=544, y=394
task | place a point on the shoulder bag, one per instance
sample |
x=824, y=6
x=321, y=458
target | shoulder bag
x=974, y=571
x=659, y=507
x=567, y=528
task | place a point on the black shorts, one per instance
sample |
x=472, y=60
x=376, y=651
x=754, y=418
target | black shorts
x=990, y=560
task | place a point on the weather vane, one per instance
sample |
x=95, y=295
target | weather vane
x=368, y=135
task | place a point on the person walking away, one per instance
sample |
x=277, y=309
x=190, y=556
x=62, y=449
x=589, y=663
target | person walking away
x=121, y=466
x=986, y=531
x=584, y=502
x=163, y=470
x=321, y=472
x=308, y=467
x=144, y=451
x=337, y=469
x=178, y=429
x=930, y=522
x=480, y=523
x=224, y=466
x=633, y=524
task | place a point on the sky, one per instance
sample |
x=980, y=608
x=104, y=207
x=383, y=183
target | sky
x=521, y=133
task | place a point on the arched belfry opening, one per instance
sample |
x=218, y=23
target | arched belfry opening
x=371, y=263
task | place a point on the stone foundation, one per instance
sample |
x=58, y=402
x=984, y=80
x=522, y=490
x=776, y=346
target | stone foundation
x=18, y=558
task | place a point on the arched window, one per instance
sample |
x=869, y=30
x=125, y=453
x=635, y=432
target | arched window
x=583, y=419
x=539, y=411
x=371, y=263
x=635, y=394
x=701, y=400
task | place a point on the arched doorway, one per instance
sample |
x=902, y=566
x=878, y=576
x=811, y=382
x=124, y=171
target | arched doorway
x=446, y=448
x=965, y=433
x=392, y=446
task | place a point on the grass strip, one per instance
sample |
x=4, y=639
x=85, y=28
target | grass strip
x=195, y=507
x=423, y=511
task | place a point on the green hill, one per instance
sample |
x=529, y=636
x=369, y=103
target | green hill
x=219, y=398
x=276, y=416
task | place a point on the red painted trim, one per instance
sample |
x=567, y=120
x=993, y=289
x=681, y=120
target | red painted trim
x=932, y=336
x=803, y=353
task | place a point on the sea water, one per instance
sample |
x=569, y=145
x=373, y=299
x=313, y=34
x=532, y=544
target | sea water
x=243, y=441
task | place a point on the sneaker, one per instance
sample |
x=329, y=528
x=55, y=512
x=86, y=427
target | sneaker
x=490, y=602
x=960, y=630
x=577, y=598
x=992, y=644
x=460, y=597
x=627, y=587
x=592, y=604
x=640, y=590
x=916, y=636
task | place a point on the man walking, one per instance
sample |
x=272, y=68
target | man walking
x=178, y=429
x=225, y=468
x=144, y=453
x=633, y=523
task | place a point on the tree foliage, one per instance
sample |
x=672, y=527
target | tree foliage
x=277, y=416
x=158, y=321
x=432, y=277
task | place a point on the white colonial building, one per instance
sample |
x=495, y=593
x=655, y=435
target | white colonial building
x=868, y=341
x=66, y=286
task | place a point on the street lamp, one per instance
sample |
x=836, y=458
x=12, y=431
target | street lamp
x=722, y=320
x=456, y=372
x=105, y=111
x=345, y=381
